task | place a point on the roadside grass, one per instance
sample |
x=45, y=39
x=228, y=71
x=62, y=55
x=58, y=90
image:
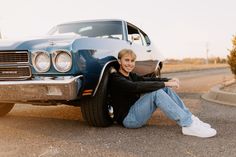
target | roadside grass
x=181, y=67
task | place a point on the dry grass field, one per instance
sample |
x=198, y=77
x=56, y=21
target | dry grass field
x=179, y=67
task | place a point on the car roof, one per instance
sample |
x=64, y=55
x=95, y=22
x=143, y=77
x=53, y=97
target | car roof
x=94, y=20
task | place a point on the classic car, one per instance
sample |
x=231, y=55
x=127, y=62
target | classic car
x=71, y=65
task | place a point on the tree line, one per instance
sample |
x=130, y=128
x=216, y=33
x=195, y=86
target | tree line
x=232, y=57
x=211, y=60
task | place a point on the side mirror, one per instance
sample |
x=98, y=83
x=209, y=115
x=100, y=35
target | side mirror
x=135, y=37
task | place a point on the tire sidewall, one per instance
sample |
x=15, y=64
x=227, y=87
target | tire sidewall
x=95, y=109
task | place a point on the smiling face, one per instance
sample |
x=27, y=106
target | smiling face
x=127, y=64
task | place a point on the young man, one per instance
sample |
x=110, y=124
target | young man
x=133, y=110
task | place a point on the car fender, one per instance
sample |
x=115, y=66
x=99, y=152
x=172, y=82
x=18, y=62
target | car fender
x=105, y=67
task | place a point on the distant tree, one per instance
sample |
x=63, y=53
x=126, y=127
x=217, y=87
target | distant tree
x=217, y=60
x=223, y=60
x=232, y=57
x=193, y=60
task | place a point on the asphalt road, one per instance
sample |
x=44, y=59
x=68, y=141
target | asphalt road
x=36, y=131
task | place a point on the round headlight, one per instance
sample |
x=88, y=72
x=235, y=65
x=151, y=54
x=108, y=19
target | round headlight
x=41, y=61
x=62, y=61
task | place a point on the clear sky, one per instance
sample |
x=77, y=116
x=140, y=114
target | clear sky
x=179, y=28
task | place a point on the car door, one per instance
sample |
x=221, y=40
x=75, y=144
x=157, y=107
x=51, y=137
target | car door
x=141, y=45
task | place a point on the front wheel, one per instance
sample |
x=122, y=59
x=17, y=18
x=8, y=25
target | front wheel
x=5, y=108
x=95, y=110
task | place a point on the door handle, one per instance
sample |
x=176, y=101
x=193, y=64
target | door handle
x=149, y=50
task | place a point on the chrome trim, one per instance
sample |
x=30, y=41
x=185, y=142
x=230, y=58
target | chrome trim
x=32, y=82
x=101, y=75
x=41, y=90
x=54, y=55
x=16, y=52
x=22, y=77
x=35, y=54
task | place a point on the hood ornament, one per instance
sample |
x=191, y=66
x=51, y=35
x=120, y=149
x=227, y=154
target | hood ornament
x=51, y=42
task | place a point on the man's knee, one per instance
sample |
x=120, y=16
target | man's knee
x=158, y=92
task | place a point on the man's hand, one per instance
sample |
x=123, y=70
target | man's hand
x=175, y=79
x=174, y=82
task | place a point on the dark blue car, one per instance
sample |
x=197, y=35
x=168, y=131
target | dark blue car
x=71, y=66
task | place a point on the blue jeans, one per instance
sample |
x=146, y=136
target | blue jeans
x=165, y=99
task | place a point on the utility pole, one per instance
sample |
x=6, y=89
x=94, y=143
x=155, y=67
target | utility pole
x=207, y=51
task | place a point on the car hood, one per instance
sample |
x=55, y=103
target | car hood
x=42, y=42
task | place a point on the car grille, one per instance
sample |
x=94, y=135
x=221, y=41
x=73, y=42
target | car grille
x=14, y=57
x=14, y=65
x=15, y=72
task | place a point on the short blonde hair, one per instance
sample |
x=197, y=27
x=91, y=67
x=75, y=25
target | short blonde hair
x=125, y=52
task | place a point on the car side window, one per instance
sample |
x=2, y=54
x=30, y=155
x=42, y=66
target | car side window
x=145, y=38
x=134, y=35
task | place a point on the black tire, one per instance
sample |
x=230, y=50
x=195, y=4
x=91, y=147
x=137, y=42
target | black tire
x=95, y=109
x=156, y=73
x=5, y=108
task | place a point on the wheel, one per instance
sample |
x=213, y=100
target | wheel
x=95, y=110
x=156, y=73
x=5, y=108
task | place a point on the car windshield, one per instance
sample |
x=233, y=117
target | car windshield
x=104, y=29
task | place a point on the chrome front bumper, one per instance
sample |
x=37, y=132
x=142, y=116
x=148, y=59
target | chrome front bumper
x=40, y=90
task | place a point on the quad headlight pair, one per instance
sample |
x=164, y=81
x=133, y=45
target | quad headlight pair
x=61, y=60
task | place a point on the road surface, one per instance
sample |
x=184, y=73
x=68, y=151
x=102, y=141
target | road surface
x=37, y=131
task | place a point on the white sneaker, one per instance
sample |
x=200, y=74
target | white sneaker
x=195, y=129
x=197, y=120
